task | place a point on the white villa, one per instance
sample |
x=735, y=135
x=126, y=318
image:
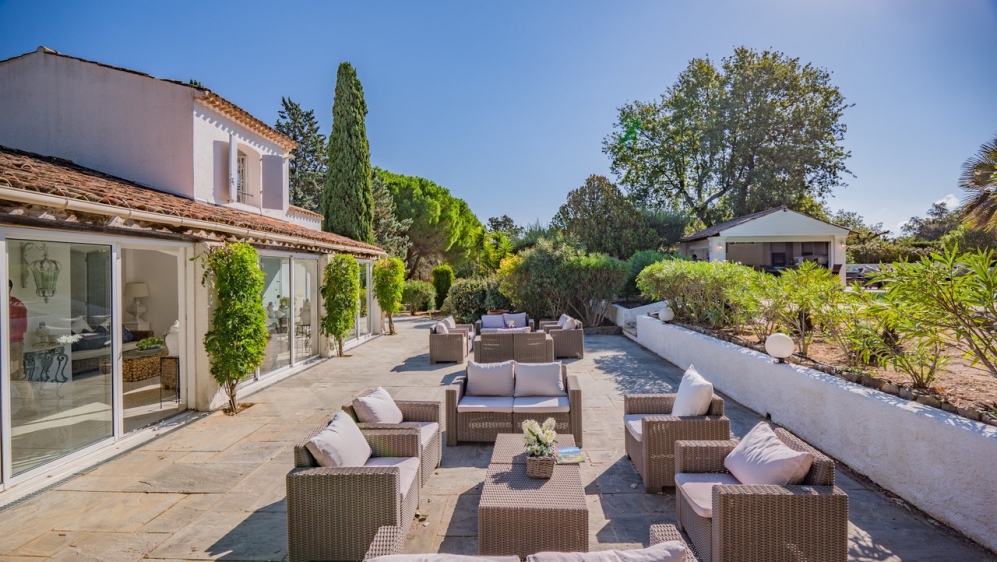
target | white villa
x=770, y=240
x=111, y=181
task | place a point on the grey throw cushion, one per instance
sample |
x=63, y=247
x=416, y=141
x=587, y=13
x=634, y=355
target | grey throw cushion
x=492, y=321
x=377, y=407
x=491, y=379
x=539, y=379
x=340, y=444
x=517, y=320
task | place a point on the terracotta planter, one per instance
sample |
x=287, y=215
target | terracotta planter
x=539, y=467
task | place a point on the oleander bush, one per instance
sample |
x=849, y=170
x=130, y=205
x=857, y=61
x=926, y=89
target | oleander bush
x=418, y=295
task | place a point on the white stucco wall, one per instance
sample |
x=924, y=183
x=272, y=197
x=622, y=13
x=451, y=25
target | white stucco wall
x=120, y=123
x=618, y=315
x=940, y=462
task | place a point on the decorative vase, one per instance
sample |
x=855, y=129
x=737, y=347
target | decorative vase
x=539, y=467
x=173, y=339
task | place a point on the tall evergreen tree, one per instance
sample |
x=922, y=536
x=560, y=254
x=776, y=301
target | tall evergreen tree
x=306, y=171
x=348, y=200
x=390, y=232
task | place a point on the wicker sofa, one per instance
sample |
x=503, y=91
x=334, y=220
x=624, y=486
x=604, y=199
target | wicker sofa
x=423, y=415
x=520, y=319
x=452, y=346
x=531, y=347
x=467, y=424
x=650, y=433
x=762, y=523
x=569, y=341
x=338, y=513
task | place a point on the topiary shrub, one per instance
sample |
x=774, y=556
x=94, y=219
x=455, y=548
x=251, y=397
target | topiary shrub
x=442, y=279
x=389, y=282
x=237, y=340
x=418, y=295
x=341, y=294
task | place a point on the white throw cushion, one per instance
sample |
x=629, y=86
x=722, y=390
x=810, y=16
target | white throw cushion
x=340, y=444
x=539, y=379
x=408, y=469
x=668, y=551
x=80, y=325
x=377, y=407
x=762, y=458
x=694, y=395
x=450, y=322
x=517, y=320
x=541, y=405
x=488, y=404
x=571, y=324
x=635, y=425
x=492, y=321
x=491, y=379
x=697, y=489
x=441, y=328
x=564, y=318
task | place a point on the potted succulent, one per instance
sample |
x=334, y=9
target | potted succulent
x=539, y=440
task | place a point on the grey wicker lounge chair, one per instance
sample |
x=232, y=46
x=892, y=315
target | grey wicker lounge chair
x=650, y=433
x=665, y=532
x=452, y=346
x=567, y=343
x=764, y=523
x=419, y=414
x=483, y=426
x=336, y=513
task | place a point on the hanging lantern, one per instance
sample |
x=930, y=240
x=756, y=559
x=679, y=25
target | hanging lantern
x=46, y=274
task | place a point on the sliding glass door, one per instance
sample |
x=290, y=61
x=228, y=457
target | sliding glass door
x=306, y=311
x=277, y=302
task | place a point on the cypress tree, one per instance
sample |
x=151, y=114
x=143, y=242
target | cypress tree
x=348, y=200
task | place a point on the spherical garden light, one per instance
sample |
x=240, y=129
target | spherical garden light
x=779, y=346
x=666, y=314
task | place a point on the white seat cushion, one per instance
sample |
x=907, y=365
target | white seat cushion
x=668, y=551
x=762, y=458
x=697, y=489
x=492, y=321
x=694, y=395
x=435, y=557
x=490, y=404
x=635, y=425
x=408, y=469
x=491, y=379
x=539, y=379
x=426, y=431
x=377, y=407
x=570, y=324
x=525, y=330
x=541, y=405
x=340, y=444
x=517, y=320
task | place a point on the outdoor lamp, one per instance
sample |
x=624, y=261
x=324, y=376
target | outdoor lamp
x=44, y=271
x=666, y=314
x=136, y=291
x=779, y=346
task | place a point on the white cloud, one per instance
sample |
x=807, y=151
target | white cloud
x=950, y=200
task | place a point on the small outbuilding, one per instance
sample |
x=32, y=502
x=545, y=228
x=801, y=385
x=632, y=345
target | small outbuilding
x=771, y=240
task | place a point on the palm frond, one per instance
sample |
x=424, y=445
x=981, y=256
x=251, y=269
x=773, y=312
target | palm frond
x=979, y=184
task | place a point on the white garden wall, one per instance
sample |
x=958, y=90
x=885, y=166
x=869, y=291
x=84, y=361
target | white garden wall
x=940, y=462
x=618, y=315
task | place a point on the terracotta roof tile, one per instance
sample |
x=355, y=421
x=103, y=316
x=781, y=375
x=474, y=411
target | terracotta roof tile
x=54, y=176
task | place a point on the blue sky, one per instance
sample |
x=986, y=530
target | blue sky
x=507, y=103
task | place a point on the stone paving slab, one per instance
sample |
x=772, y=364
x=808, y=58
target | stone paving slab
x=214, y=489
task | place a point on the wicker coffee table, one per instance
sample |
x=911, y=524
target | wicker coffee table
x=519, y=515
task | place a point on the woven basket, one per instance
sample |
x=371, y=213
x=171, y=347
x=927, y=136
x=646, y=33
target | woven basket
x=539, y=467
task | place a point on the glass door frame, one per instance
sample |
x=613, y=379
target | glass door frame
x=291, y=320
x=367, y=267
x=115, y=243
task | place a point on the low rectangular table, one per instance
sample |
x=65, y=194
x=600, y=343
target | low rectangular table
x=519, y=515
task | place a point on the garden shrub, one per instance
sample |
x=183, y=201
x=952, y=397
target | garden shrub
x=466, y=300
x=806, y=293
x=637, y=263
x=341, y=295
x=418, y=295
x=443, y=276
x=713, y=294
x=389, y=282
x=594, y=279
x=237, y=340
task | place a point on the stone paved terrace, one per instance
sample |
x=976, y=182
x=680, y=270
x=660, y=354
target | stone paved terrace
x=214, y=489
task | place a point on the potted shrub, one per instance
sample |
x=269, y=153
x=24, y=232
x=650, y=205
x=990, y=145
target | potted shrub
x=341, y=295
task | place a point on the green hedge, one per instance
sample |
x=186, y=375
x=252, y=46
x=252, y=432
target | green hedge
x=418, y=295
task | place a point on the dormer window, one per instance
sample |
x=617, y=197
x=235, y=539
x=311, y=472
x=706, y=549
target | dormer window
x=242, y=179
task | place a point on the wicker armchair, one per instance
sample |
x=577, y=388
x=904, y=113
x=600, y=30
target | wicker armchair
x=652, y=449
x=484, y=426
x=567, y=343
x=764, y=523
x=452, y=346
x=336, y=513
x=493, y=348
x=418, y=414
x=534, y=347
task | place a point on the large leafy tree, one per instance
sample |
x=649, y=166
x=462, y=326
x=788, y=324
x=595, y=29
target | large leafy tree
x=306, y=169
x=979, y=182
x=442, y=227
x=505, y=224
x=390, y=232
x=600, y=217
x=758, y=131
x=939, y=221
x=348, y=201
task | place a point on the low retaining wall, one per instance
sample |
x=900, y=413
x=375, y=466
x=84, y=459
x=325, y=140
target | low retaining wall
x=940, y=462
x=619, y=315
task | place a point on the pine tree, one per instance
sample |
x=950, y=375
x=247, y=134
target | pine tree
x=306, y=171
x=390, y=232
x=348, y=200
